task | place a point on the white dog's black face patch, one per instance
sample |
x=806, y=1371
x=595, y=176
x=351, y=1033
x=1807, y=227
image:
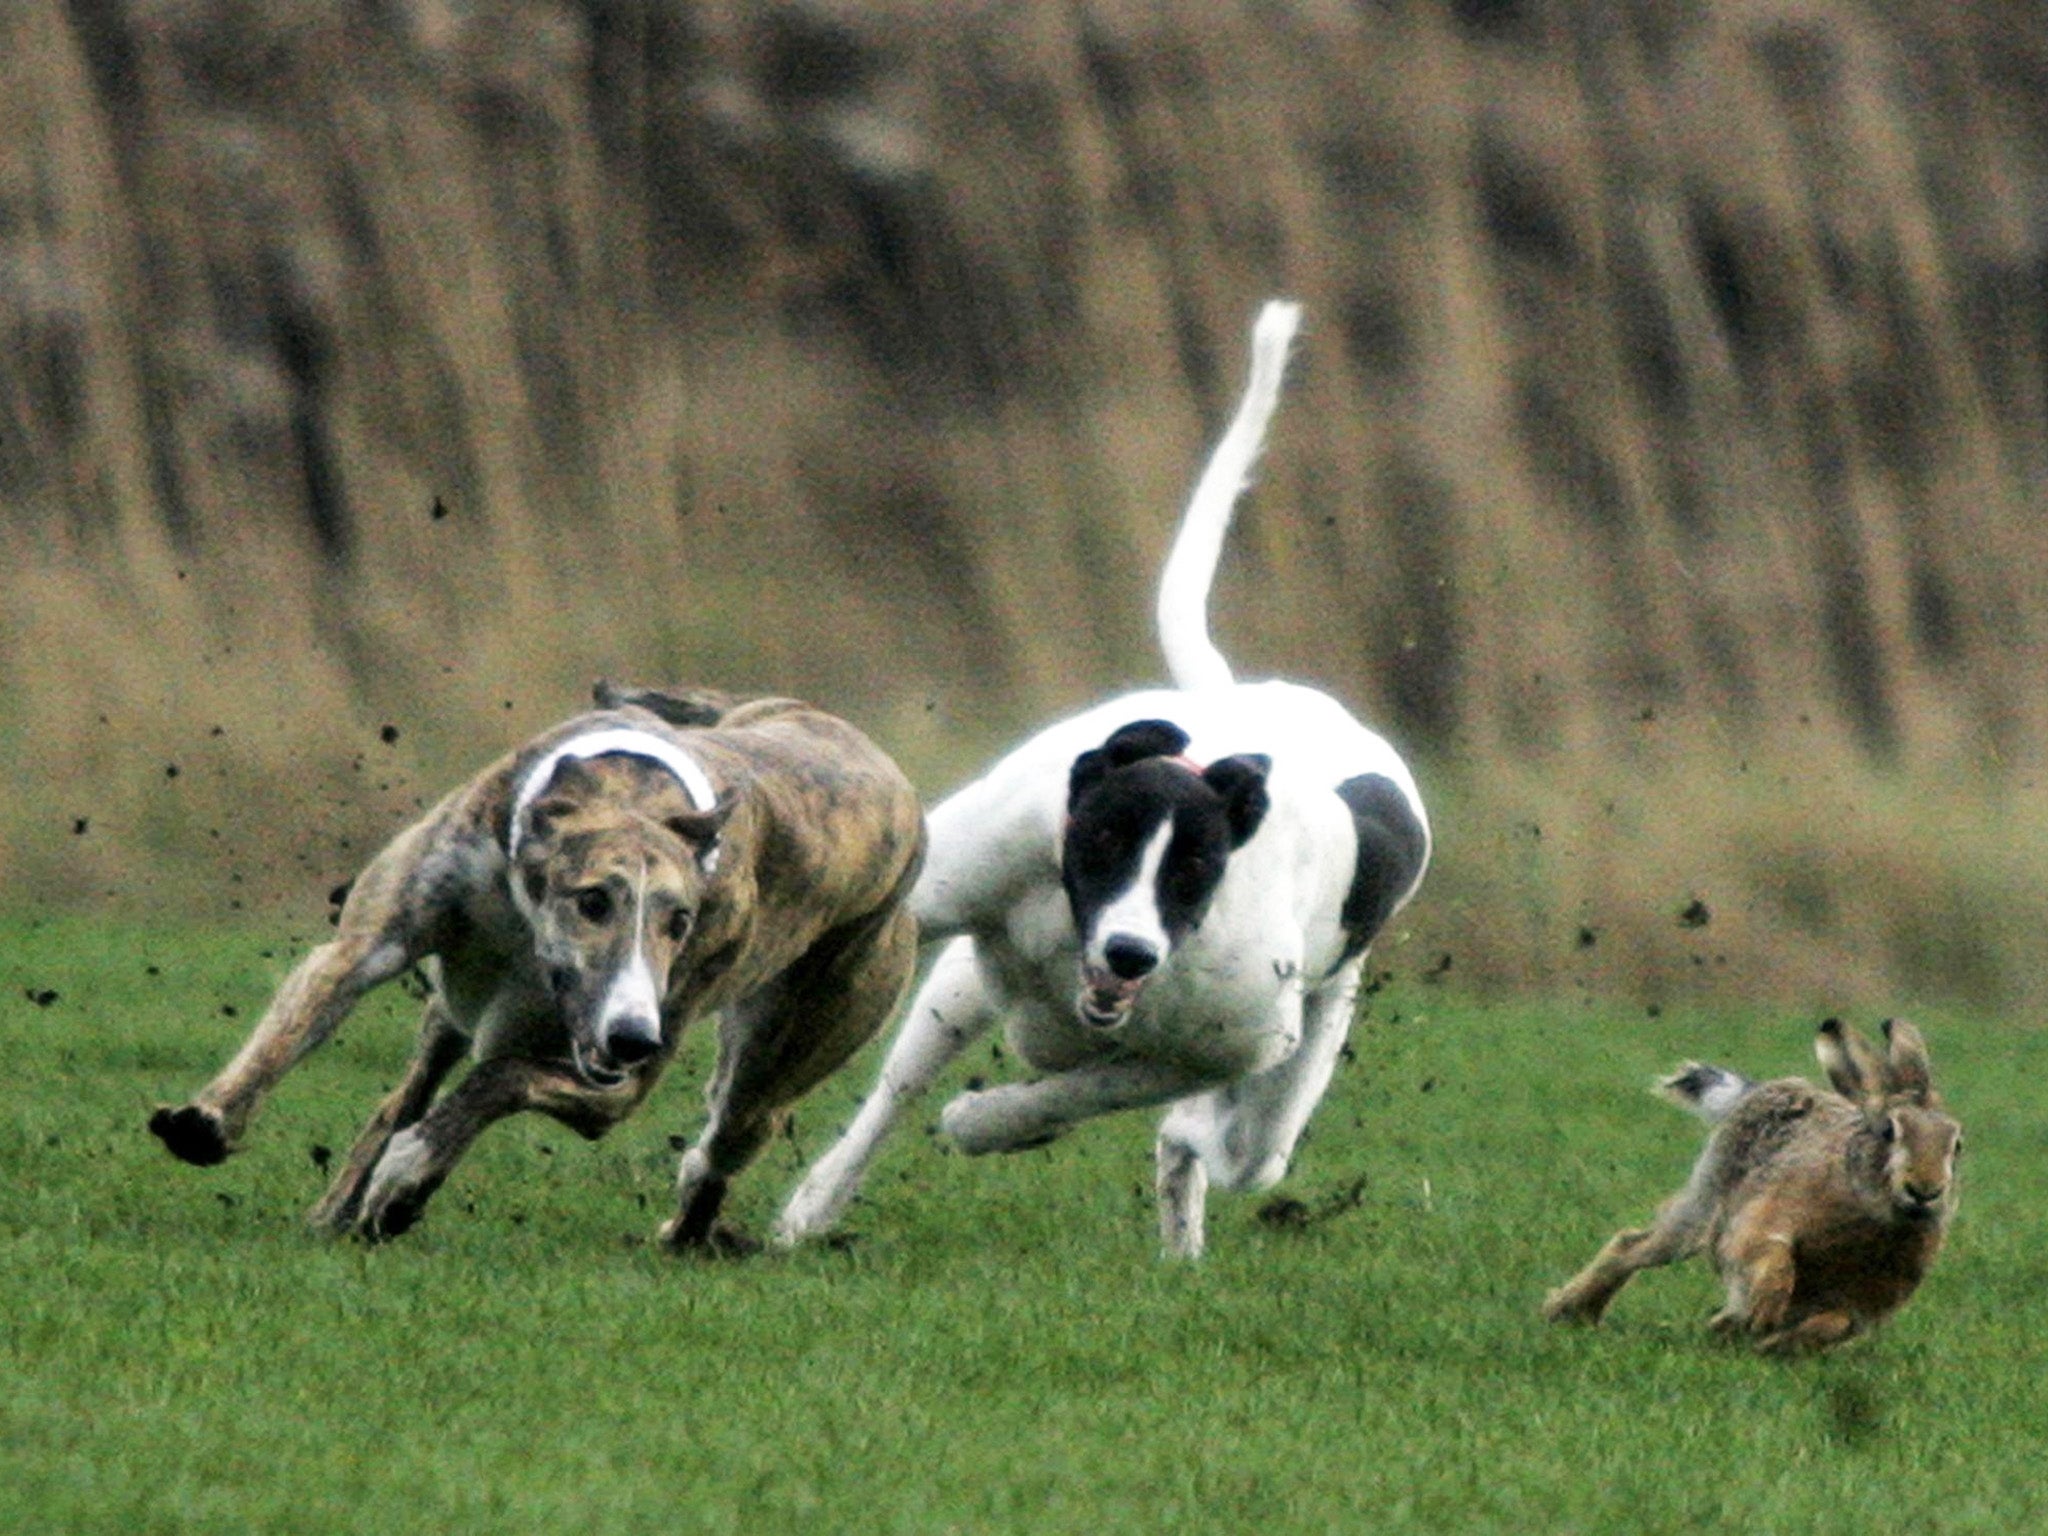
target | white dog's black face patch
x=1148, y=836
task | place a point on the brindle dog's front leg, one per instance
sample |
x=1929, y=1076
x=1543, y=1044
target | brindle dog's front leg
x=441, y=1046
x=418, y=1158
x=317, y=995
x=381, y=934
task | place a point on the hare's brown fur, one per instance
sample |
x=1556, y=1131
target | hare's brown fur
x=1822, y=1210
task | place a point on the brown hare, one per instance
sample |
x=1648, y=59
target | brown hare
x=1822, y=1211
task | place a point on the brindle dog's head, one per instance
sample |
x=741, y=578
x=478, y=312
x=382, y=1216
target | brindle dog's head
x=612, y=863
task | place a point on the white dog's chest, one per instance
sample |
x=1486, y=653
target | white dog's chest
x=1219, y=1010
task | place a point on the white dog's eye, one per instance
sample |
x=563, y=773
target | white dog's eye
x=594, y=904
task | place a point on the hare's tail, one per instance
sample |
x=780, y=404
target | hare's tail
x=1192, y=660
x=1709, y=1092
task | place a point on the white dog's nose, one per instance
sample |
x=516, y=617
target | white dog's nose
x=1129, y=957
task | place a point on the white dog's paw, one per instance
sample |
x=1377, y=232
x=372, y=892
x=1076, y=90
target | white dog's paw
x=995, y=1120
x=400, y=1186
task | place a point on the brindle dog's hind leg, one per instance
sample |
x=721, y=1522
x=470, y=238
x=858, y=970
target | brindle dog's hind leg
x=441, y=1046
x=781, y=1042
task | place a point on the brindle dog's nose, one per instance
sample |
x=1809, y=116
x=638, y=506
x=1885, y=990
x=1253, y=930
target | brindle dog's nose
x=632, y=1040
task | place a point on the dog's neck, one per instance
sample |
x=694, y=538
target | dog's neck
x=611, y=741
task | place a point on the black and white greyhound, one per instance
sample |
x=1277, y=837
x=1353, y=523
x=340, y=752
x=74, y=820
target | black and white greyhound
x=1165, y=900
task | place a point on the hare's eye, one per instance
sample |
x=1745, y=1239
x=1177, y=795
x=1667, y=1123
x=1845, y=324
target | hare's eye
x=1889, y=1131
x=594, y=904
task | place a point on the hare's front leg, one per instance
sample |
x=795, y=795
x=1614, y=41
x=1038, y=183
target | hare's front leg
x=1810, y=1335
x=1755, y=1260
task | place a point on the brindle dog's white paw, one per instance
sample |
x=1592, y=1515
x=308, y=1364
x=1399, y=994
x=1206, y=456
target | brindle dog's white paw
x=401, y=1185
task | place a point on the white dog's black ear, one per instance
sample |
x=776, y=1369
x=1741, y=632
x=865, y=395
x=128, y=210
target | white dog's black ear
x=1241, y=781
x=702, y=830
x=1141, y=739
x=1127, y=744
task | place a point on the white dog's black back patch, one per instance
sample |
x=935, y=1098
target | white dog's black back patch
x=1391, y=848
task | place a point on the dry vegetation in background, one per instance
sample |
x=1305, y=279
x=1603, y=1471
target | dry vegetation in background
x=1661, y=468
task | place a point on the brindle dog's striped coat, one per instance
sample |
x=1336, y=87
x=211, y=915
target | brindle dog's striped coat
x=575, y=906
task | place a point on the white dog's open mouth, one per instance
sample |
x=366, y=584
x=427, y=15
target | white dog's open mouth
x=594, y=1073
x=1106, y=999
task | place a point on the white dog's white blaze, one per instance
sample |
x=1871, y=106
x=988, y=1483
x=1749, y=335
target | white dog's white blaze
x=1135, y=914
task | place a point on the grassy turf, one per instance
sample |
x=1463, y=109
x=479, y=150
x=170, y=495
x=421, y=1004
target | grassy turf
x=1000, y=1349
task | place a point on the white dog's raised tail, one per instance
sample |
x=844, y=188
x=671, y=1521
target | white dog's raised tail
x=1192, y=660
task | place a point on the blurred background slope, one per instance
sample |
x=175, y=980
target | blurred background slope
x=1661, y=468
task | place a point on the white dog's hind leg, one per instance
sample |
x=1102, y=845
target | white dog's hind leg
x=1246, y=1133
x=1182, y=1186
x=951, y=1010
x=1020, y=1115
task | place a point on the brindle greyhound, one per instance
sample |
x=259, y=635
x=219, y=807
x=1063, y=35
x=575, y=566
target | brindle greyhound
x=574, y=907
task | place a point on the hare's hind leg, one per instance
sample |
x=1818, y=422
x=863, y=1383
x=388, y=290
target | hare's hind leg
x=1674, y=1235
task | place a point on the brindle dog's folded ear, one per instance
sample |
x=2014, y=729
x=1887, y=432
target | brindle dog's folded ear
x=562, y=794
x=701, y=830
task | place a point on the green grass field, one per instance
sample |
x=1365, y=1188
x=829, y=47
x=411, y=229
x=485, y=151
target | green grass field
x=999, y=1349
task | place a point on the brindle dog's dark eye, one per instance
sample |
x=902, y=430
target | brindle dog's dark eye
x=678, y=925
x=1889, y=1131
x=594, y=904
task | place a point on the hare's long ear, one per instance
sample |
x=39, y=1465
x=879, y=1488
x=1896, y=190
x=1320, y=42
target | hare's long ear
x=1851, y=1065
x=1907, y=1072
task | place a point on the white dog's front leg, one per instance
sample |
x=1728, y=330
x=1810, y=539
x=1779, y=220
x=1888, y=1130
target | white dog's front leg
x=952, y=1009
x=1020, y=1115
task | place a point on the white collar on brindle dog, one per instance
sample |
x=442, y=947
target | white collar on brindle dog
x=624, y=741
